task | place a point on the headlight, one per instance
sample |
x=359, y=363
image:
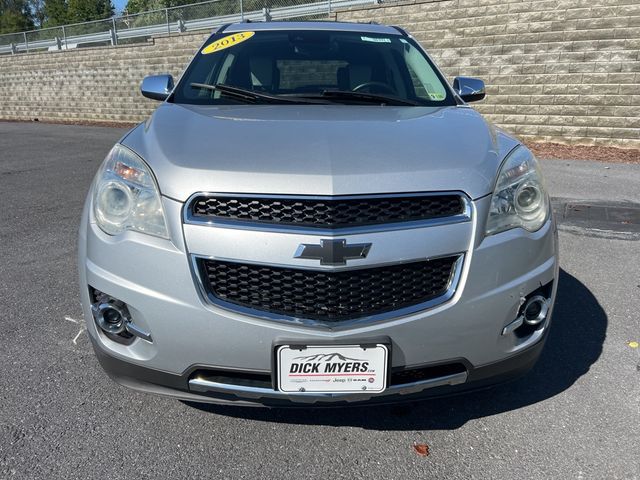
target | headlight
x=520, y=198
x=126, y=196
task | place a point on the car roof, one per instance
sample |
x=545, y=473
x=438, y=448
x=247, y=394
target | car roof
x=326, y=26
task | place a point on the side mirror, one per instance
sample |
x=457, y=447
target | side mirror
x=470, y=89
x=157, y=87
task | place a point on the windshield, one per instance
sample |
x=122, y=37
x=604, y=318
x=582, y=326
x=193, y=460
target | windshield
x=310, y=64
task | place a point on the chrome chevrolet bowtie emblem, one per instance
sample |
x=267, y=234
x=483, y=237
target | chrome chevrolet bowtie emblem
x=332, y=252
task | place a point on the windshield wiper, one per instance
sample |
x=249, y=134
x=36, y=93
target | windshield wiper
x=367, y=97
x=249, y=96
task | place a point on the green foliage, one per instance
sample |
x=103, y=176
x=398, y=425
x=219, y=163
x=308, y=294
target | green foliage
x=37, y=12
x=15, y=16
x=20, y=15
x=56, y=12
x=137, y=6
x=85, y=10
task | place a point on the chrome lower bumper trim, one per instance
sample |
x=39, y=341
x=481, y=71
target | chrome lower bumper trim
x=206, y=386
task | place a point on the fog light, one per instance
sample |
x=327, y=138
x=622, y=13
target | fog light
x=535, y=310
x=113, y=318
x=110, y=318
x=532, y=314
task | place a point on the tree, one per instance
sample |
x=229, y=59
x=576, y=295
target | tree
x=137, y=6
x=15, y=16
x=20, y=15
x=86, y=10
x=37, y=8
x=56, y=12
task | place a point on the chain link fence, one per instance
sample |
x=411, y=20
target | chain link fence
x=197, y=11
x=139, y=27
x=9, y=40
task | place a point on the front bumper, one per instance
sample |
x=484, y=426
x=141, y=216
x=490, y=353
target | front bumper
x=178, y=386
x=155, y=279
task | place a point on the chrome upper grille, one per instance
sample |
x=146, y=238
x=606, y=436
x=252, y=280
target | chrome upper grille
x=325, y=212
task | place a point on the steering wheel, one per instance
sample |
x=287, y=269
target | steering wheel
x=385, y=87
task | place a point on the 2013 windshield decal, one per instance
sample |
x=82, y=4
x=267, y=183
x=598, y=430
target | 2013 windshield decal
x=226, y=42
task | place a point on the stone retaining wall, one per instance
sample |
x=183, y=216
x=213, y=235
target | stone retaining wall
x=556, y=70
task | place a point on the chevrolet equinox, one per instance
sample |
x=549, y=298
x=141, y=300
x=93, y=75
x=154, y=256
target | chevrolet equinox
x=314, y=216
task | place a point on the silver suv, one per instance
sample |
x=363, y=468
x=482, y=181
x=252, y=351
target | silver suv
x=314, y=216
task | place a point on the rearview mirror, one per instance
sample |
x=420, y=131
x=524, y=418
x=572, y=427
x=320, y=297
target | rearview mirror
x=157, y=87
x=470, y=89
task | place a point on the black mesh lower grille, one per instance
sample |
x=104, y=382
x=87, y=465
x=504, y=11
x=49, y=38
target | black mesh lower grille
x=327, y=212
x=324, y=295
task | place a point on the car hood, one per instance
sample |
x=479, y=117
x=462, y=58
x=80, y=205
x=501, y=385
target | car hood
x=319, y=149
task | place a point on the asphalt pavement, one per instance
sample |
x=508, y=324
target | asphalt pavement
x=575, y=415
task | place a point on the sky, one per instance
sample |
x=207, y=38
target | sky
x=119, y=4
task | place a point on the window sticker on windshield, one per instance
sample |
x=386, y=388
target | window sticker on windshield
x=433, y=92
x=226, y=42
x=377, y=40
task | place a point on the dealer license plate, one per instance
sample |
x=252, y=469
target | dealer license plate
x=335, y=368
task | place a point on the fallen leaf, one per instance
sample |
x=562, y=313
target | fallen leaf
x=421, y=449
x=633, y=344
